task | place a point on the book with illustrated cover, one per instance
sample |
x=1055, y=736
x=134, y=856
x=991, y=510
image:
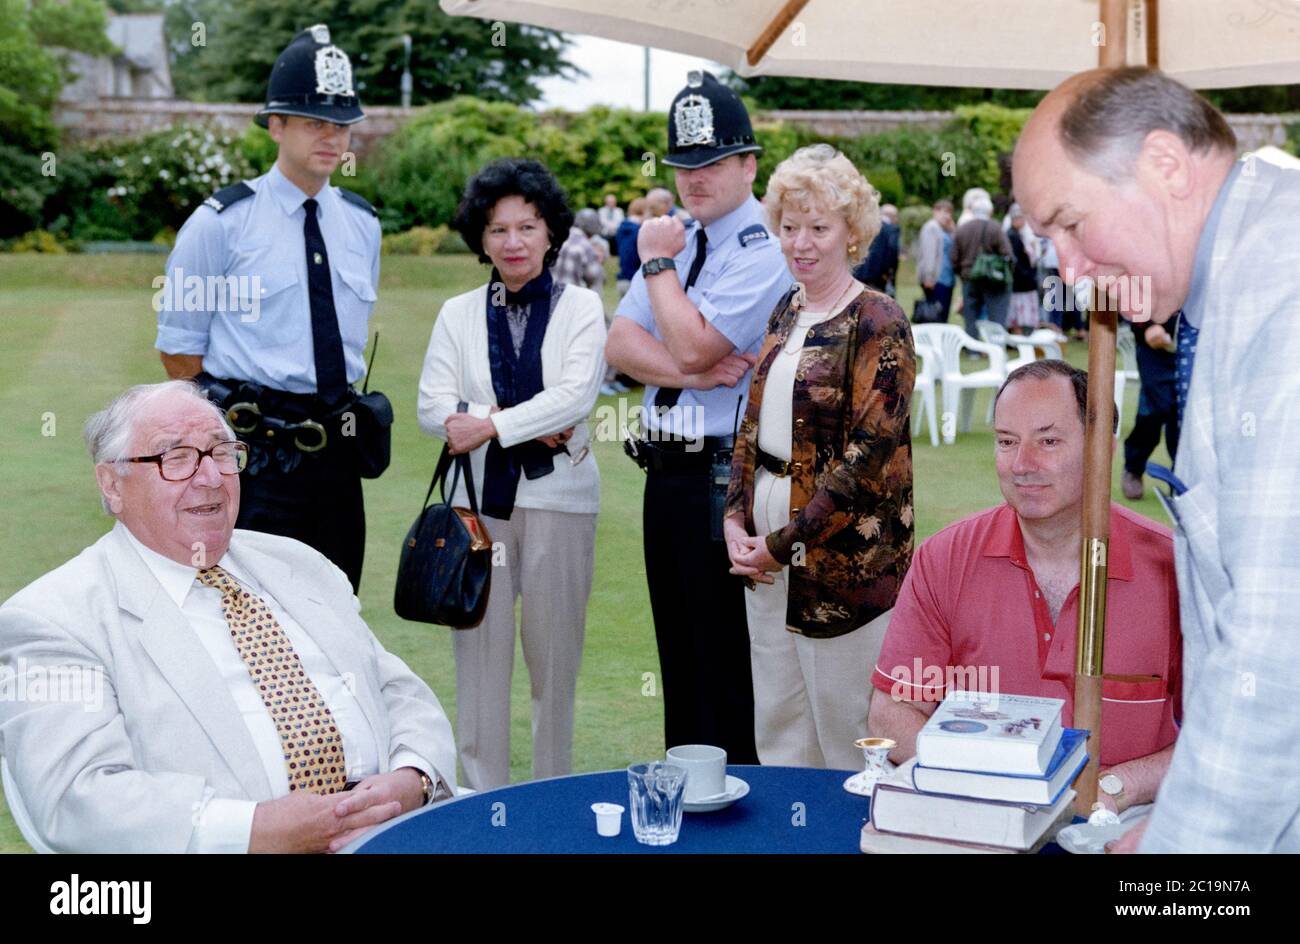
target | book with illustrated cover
x=999, y=734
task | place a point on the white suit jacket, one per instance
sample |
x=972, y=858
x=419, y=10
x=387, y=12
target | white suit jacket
x=129, y=775
x=1234, y=782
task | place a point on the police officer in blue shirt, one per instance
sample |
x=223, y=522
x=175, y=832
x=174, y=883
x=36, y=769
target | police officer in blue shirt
x=689, y=328
x=266, y=302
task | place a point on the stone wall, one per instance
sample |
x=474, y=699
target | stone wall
x=125, y=117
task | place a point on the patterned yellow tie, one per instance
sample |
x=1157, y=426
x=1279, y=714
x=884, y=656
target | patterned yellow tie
x=313, y=747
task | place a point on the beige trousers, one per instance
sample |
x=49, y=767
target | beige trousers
x=546, y=559
x=810, y=695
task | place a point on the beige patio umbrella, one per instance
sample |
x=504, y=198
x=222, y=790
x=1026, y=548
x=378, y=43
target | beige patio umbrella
x=1028, y=44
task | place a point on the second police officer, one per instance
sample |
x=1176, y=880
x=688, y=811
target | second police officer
x=689, y=328
x=303, y=258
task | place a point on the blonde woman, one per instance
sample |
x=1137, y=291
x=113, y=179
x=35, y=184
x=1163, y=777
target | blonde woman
x=819, y=512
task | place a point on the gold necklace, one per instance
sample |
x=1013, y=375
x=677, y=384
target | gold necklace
x=787, y=350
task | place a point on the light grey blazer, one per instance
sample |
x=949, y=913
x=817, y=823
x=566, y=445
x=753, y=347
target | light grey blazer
x=129, y=776
x=1234, y=783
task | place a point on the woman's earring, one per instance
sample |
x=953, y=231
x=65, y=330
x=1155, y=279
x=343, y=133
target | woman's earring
x=853, y=250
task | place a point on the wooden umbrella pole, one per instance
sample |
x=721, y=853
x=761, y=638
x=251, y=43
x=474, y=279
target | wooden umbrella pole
x=772, y=32
x=1090, y=638
x=1091, y=635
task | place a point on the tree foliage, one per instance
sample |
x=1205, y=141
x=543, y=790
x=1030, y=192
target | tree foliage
x=449, y=55
x=35, y=37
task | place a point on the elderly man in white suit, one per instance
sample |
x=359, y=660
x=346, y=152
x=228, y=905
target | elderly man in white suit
x=245, y=705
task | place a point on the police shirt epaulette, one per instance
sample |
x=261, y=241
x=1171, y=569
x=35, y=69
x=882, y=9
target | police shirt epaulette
x=227, y=197
x=357, y=200
x=752, y=233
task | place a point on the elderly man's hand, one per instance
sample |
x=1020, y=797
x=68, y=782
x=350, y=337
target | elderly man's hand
x=310, y=822
x=660, y=238
x=379, y=791
x=1128, y=843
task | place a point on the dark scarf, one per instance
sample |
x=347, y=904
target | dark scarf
x=515, y=379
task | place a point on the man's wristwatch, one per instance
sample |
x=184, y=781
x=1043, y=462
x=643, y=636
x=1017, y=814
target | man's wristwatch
x=655, y=266
x=426, y=783
x=1112, y=786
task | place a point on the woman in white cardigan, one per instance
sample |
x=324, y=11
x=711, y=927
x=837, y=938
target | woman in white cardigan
x=511, y=374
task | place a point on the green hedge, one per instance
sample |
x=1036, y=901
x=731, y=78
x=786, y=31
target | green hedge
x=615, y=151
x=145, y=188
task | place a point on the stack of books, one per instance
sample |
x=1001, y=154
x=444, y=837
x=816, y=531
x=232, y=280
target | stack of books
x=989, y=771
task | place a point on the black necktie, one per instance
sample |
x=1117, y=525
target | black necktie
x=667, y=396
x=327, y=343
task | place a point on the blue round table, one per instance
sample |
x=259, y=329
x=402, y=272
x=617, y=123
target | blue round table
x=788, y=809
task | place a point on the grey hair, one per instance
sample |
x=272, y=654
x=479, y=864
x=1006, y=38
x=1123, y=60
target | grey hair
x=108, y=433
x=587, y=220
x=1104, y=126
x=970, y=196
x=981, y=208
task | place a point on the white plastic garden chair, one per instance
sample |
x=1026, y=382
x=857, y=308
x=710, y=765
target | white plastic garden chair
x=1126, y=368
x=1026, y=345
x=949, y=340
x=927, y=375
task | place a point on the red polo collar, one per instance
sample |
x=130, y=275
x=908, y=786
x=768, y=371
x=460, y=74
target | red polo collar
x=1005, y=540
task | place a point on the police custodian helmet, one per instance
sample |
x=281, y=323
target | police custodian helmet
x=707, y=122
x=312, y=78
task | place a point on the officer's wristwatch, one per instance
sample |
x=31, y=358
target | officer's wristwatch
x=655, y=266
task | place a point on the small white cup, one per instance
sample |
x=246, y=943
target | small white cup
x=706, y=769
x=609, y=818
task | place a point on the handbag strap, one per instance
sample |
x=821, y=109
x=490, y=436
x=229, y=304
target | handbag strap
x=462, y=464
x=440, y=473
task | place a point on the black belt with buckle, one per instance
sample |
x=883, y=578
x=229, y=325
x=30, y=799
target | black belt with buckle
x=270, y=416
x=778, y=467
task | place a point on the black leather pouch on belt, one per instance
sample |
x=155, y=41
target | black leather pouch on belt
x=373, y=433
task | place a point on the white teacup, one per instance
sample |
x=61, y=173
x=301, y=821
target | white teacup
x=706, y=769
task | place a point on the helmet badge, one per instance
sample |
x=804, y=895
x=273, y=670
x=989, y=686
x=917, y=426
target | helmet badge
x=333, y=71
x=693, y=116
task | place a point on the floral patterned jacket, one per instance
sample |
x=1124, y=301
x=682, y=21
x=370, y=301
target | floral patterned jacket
x=849, y=541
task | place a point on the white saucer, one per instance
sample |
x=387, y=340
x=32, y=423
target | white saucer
x=1089, y=839
x=737, y=789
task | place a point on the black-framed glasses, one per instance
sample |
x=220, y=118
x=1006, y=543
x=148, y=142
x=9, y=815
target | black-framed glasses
x=181, y=462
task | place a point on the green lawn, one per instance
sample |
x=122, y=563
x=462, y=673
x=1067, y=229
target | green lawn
x=78, y=329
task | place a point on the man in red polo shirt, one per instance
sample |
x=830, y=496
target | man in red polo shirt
x=992, y=602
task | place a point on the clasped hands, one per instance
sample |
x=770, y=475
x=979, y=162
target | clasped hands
x=466, y=433
x=312, y=822
x=749, y=554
